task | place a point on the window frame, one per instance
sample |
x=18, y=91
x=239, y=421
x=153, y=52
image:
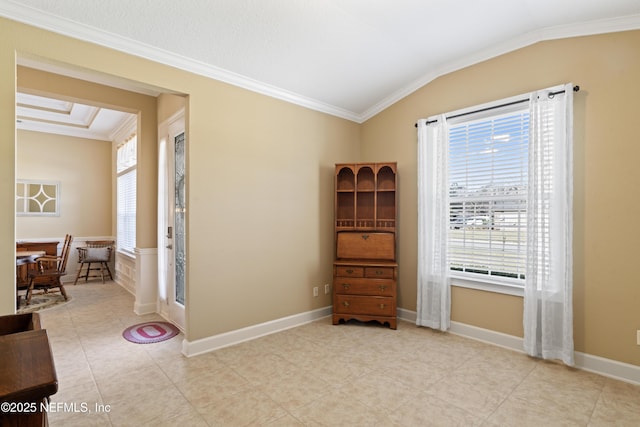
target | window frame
x=129, y=167
x=479, y=112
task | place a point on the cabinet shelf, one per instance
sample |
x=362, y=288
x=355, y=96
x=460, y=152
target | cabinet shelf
x=365, y=195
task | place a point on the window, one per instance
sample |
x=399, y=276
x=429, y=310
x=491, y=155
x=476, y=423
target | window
x=480, y=222
x=126, y=199
x=487, y=171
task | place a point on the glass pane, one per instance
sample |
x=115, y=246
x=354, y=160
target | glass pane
x=179, y=236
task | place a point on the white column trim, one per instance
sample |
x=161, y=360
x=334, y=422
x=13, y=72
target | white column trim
x=146, y=281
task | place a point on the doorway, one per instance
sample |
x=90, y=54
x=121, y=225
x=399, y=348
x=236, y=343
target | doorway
x=141, y=273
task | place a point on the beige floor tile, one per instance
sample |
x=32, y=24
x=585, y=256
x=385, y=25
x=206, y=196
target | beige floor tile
x=178, y=367
x=294, y=389
x=339, y=369
x=79, y=420
x=140, y=409
x=287, y=421
x=73, y=373
x=124, y=384
x=477, y=393
x=415, y=373
x=251, y=407
x=113, y=360
x=377, y=390
x=256, y=369
x=169, y=348
x=426, y=410
x=75, y=405
x=306, y=356
x=239, y=353
x=521, y=413
x=619, y=405
x=77, y=393
x=212, y=387
x=563, y=393
x=338, y=409
x=189, y=418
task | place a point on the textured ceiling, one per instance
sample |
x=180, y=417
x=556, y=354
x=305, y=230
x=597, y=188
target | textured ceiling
x=350, y=58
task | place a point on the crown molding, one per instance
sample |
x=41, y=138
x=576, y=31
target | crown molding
x=125, y=129
x=37, y=18
x=625, y=23
x=46, y=21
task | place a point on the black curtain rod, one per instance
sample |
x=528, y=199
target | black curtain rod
x=551, y=95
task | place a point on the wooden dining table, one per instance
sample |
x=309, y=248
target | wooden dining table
x=29, y=254
x=25, y=260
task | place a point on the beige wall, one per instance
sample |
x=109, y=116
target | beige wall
x=83, y=169
x=259, y=171
x=606, y=230
x=168, y=105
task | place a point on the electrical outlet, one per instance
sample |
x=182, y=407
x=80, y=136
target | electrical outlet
x=327, y=288
x=315, y=291
x=638, y=336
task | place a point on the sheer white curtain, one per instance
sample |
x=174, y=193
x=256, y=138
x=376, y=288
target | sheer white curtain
x=434, y=293
x=548, y=308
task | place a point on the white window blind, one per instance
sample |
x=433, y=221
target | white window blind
x=126, y=189
x=488, y=162
x=127, y=154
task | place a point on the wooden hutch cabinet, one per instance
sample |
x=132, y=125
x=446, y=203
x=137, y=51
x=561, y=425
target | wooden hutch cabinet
x=365, y=270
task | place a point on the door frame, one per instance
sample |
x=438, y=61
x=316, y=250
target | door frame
x=167, y=306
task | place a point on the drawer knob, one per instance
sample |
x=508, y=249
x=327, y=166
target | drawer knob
x=381, y=306
x=349, y=271
x=378, y=272
x=346, y=303
x=346, y=285
x=365, y=236
x=382, y=287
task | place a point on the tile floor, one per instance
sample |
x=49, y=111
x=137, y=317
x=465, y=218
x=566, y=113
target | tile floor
x=313, y=375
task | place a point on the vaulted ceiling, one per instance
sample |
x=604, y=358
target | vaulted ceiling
x=349, y=58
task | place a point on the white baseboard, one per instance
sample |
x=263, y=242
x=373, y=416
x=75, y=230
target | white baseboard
x=215, y=342
x=587, y=362
x=142, y=309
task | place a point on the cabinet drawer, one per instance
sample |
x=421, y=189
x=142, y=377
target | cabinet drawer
x=345, y=285
x=349, y=271
x=355, y=304
x=352, y=245
x=379, y=272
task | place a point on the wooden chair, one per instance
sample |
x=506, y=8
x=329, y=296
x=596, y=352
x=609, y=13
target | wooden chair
x=97, y=252
x=49, y=271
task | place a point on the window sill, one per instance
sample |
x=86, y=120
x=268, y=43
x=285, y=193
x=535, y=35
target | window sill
x=488, y=286
x=125, y=253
